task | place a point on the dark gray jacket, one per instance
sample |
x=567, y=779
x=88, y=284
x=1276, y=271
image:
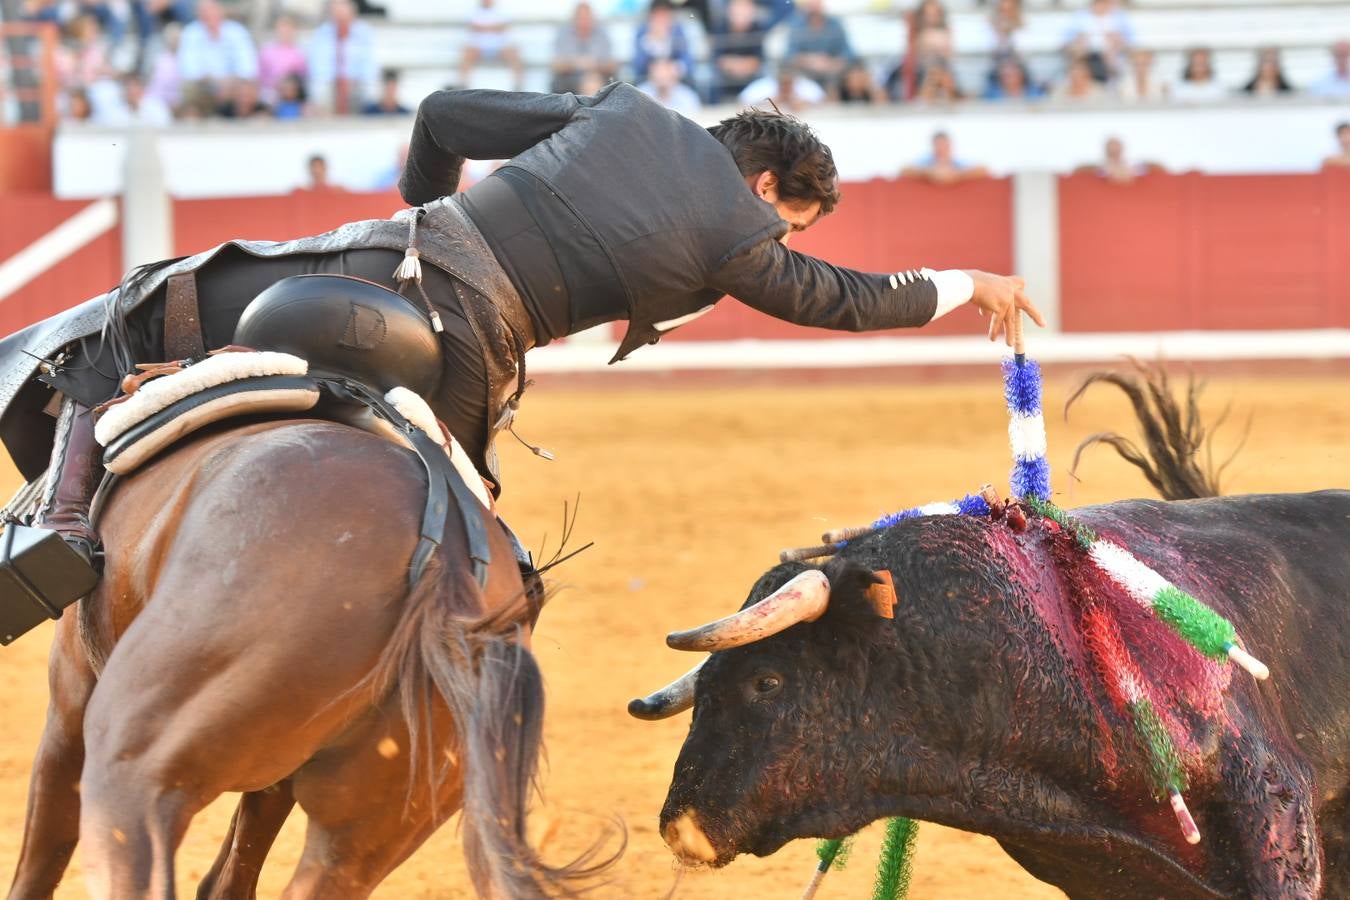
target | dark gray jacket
x=613, y=207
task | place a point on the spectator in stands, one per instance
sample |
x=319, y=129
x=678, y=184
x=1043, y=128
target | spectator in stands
x=136, y=107
x=1005, y=20
x=318, y=174
x=1078, y=84
x=581, y=47
x=387, y=104
x=245, y=102
x=1341, y=159
x=737, y=44
x=663, y=84
x=291, y=98
x=939, y=86
x=341, y=58
x=1013, y=82
x=661, y=37
x=1336, y=84
x=789, y=90
x=857, y=86
x=488, y=40
x=213, y=53
x=1139, y=84
x=1101, y=34
x=163, y=82
x=818, y=46
x=82, y=59
x=279, y=58
x=1198, y=84
x=78, y=107
x=1269, y=80
x=1115, y=167
x=942, y=165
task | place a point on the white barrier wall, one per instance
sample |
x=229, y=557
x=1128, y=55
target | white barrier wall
x=247, y=158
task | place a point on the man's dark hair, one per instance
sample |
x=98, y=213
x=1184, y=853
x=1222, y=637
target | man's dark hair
x=765, y=141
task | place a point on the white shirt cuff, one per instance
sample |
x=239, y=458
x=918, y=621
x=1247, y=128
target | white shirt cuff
x=954, y=287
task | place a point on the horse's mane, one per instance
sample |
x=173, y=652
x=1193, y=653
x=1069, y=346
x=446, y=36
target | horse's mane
x=1173, y=432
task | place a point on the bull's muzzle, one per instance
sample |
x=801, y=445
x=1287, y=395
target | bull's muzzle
x=686, y=840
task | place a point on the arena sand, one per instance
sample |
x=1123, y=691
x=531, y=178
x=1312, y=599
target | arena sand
x=689, y=493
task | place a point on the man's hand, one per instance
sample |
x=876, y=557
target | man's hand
x=1002, y=296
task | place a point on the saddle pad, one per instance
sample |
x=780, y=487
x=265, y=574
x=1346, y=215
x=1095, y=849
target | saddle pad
x=161, y=393
x=149, y=435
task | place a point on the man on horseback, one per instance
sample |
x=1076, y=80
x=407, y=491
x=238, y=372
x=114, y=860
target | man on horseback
x=609, y=207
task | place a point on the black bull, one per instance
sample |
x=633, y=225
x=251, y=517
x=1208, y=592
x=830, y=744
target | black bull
x=967, y=710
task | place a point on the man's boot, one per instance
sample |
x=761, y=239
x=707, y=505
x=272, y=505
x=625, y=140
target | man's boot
x=75, y=472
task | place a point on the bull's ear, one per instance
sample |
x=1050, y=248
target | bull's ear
x=852, y=608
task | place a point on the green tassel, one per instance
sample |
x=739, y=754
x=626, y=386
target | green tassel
x=1164, y=763
x=1081, y=533
x=897, y=860
x=834, y=852
x=1206, y=630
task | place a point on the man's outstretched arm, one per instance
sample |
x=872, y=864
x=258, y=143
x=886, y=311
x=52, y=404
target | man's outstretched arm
x=452, y=126
x=805, y=290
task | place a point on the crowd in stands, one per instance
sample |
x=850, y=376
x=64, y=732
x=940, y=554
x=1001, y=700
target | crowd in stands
x=155, y=60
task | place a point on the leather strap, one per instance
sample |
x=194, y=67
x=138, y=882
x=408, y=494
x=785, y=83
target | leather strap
x=182, y=320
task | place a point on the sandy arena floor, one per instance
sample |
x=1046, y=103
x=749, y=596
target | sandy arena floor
x=689, y=494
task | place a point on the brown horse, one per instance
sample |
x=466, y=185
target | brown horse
x=254, y=632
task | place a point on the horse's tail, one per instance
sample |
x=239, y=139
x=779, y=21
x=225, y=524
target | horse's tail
x=1173, y=433
x=495, y=694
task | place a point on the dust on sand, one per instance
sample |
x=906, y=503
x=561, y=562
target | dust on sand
x=689, y=494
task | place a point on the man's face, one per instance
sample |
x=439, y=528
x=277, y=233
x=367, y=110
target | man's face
x=798, y=214
x=1343, y=135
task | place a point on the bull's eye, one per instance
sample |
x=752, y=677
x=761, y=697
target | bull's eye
x=767, y=685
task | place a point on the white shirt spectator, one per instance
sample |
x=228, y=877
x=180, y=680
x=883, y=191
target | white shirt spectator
x=331, y=57
x=487, y=30
x=766, y=88
x=150, y=111
x=1336, y=84
x=229, y=54
x=1097, y=23
x=678, y=96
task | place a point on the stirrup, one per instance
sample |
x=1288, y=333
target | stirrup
x=41, y=573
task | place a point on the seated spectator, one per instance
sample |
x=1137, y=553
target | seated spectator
x=136, y=107
x=818, y=46
x=279, y=58
x=77, y=105
x=928, y=42
x=1005, y=20
x=1335, y=85
x=788, y=90
x=1013, y=83
x=1115, y=167
x=1139, y=84
x=244, y=102
x=487, y=41
x=581, y=47
x=213, y=53
x=1269, y=80
x=1198, y=84
x=661, y=37
x=1078, y=83
x=1101, y=33
x=291, y=98
x=939, y=86
x=164, y=82
x=857, y=86
x=1342, y=159
x=83, y=58
x=388, y=104
x=737, y=46
x=340, y=56
x=663, y=84
x=942, y=166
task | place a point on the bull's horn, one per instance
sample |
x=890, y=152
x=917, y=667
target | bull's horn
x=803, y=599
x=671, y=700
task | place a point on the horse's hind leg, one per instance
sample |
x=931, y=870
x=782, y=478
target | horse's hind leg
x=255, y=825
x=52, y=826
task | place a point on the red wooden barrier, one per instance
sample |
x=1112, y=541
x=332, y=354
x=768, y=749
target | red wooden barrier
x=885, y=226
x=1173, y=252
x=201, y=224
